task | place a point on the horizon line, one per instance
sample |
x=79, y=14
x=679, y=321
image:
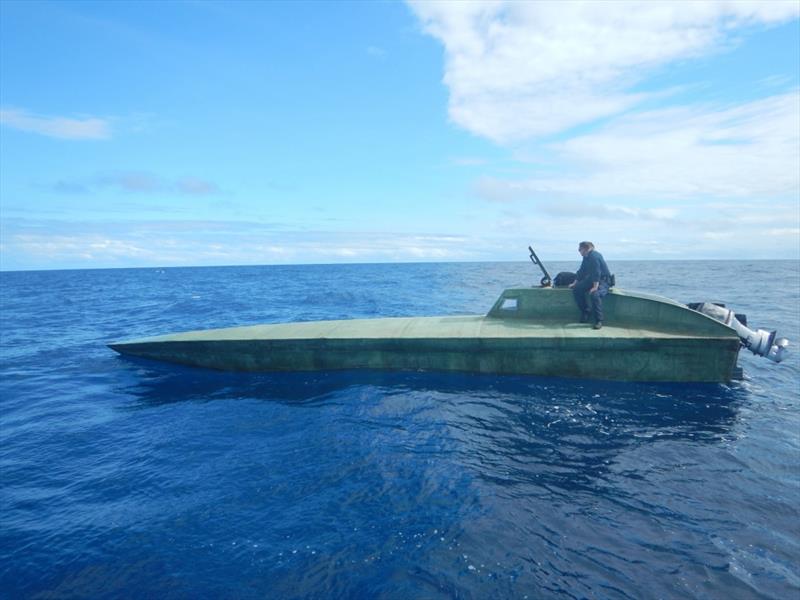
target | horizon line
x=429, y=262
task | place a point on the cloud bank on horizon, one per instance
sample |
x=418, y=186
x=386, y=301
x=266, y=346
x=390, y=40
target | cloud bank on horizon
x=657, y=129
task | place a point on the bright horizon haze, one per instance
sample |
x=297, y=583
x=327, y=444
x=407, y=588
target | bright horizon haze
x=138, y=134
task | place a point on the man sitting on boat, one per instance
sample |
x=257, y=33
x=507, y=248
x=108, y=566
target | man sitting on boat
x=593, y=278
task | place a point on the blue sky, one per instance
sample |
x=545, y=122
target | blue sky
x=205, y=133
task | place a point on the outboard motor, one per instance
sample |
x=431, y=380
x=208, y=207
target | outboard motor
x=759, y=342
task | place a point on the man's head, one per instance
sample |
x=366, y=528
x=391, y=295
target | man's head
x=585, y=247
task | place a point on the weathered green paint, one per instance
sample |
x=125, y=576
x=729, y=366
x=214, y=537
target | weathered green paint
x=645, y=338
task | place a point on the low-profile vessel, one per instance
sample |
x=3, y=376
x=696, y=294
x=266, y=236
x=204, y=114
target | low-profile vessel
x=530, y=331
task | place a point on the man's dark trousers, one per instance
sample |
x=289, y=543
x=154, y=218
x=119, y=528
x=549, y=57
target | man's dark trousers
x=596, y=298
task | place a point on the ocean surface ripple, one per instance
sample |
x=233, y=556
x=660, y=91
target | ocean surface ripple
x=128, y=478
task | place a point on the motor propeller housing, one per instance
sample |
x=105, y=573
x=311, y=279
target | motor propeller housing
x=761, y=342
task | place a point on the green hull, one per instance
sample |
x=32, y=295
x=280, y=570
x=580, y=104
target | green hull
x=537, y=333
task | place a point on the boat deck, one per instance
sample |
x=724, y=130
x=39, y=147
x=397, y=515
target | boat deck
x=419, y=328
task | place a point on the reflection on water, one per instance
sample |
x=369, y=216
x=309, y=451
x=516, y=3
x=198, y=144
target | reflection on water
x=555, y=433
x=455, y=454
x=528, y=405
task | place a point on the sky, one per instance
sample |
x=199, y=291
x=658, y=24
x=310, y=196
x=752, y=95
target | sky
x=143, y=134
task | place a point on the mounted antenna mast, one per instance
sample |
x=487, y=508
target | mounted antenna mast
x=544, y=281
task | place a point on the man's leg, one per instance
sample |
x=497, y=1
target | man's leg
x=579, y=293
x=597, y=301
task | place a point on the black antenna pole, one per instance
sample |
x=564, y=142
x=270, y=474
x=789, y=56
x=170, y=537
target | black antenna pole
x=545, y=281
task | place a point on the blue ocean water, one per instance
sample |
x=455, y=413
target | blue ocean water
x=127, y=478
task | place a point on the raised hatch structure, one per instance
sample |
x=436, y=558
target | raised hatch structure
x=530, y=331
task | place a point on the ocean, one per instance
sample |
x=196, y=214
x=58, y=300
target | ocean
x=124, y=478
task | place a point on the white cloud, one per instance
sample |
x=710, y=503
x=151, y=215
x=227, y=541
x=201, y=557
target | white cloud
x=137, y=182
x=517, y=70
x=719, y=235
x=686, y=180
x=88, y=128
x=69, y=244
x=196, y=187
x=77, y=244
x=81, y=248
x=468, y=161
x=747, y=151
x=610, y=211
x=784, y=232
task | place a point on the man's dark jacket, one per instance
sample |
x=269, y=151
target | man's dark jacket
x=594, y=268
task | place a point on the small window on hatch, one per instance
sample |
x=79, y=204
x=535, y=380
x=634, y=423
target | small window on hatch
x=509, y=304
